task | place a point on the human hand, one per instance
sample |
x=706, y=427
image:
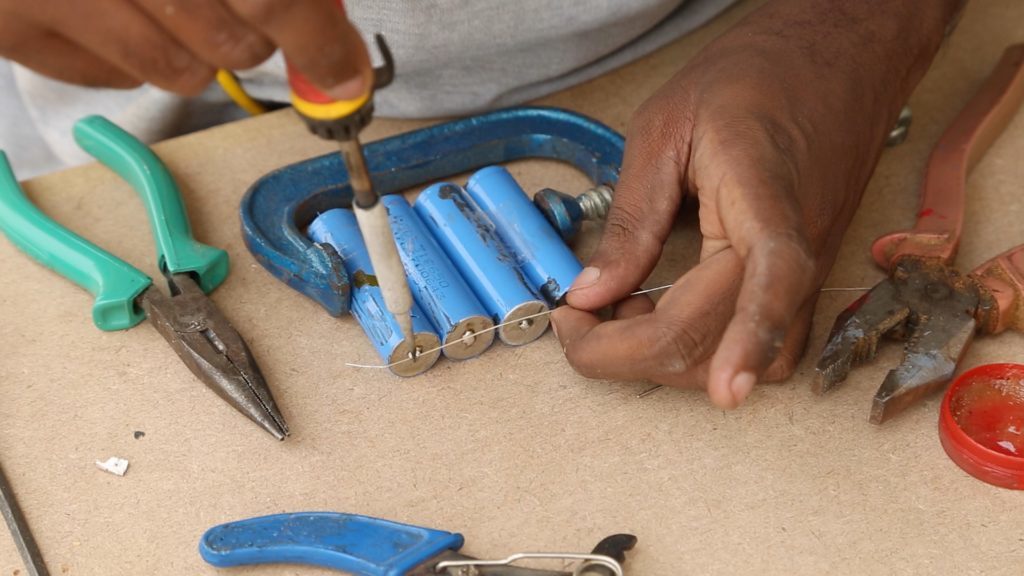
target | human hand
x=179, y=44
x=775, y=129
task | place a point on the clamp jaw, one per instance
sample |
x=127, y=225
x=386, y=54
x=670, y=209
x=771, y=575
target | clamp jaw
x=366, y=546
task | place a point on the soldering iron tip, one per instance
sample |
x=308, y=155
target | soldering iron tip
x=405, y=323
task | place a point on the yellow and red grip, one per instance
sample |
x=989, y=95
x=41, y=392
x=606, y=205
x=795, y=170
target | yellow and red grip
x=338, y=119
x=311, y=103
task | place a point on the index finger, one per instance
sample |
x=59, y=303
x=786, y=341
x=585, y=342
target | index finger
x=780, y=275
x=317, y=40
x=662, y=345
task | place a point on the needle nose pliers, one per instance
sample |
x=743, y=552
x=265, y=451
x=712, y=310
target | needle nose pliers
x=196, y=330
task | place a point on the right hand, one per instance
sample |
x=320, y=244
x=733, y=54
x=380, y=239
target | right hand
x=178, y=45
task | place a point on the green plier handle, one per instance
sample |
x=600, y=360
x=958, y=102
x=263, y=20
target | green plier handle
x=115, y=283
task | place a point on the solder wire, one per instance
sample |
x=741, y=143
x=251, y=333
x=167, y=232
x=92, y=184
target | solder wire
x=495, y=327
x=453, y=343
x=657, y=387
x=546, y=312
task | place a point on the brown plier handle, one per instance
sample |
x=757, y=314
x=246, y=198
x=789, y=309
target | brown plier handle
x=944, y=191
x=1003, y=279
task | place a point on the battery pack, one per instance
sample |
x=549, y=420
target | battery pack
x=469, y=239
x=338, y=228
x=550, y=266
x=454, y=310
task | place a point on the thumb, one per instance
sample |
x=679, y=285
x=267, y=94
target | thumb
x=643, y=210
x=317, y=40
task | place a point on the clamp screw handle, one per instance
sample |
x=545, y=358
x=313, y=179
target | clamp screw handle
x=566, y=213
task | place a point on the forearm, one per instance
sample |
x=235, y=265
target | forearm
x=867, y=55
x=833, y=76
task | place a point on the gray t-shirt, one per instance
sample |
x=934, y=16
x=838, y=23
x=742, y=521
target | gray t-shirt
x=452, y=57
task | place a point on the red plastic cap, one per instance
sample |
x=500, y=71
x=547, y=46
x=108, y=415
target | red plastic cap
x=981, y=424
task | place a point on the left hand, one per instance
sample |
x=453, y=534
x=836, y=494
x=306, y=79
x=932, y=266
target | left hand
x=777, y=146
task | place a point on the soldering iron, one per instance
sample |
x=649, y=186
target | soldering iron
x=342, y=121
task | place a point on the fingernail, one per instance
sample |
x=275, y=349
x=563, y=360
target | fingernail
x=741, y=386
x=182, y=60
x=588, y=277
x=554, y=329
x=350, y=89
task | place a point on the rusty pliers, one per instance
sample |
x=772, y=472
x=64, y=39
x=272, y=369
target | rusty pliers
x=925, y=300
x=189, y=321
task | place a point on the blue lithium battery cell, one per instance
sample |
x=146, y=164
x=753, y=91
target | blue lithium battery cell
x=548, y=263
x=339, y=229
x=470, y=241
x=453, y=308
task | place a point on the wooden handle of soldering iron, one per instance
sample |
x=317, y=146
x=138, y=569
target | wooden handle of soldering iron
x=944, y=191
x=387, y=264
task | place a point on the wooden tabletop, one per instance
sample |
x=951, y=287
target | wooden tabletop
x=512, y=449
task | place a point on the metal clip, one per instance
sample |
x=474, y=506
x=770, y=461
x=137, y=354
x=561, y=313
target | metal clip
x=588, y=561
x=385, y=73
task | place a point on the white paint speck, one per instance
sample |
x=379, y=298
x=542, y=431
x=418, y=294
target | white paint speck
x=114, y=465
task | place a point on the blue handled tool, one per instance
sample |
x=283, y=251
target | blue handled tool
x=365, y=546
x=189, y=321
x=280, y=205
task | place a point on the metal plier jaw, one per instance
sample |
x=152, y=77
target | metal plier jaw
x=124, y=296
x=929, y=305
x=367, y=546
x=925, y=300
x=213, y=350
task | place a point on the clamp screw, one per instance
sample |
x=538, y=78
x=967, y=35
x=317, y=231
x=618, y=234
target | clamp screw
x=901, y=130
x=566, y=213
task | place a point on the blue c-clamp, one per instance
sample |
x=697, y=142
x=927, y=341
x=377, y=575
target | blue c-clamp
x=278, y=207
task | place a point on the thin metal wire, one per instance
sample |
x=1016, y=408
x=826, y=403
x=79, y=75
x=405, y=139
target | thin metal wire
x=23, y=540
x=649, y=391
x=443, y=346
x=658, y=387
x=495, y=327
x=545, y=313
x=647, y=290
x=856, y=289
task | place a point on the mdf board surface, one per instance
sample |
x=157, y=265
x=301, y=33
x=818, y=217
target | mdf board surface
x=512, y=449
